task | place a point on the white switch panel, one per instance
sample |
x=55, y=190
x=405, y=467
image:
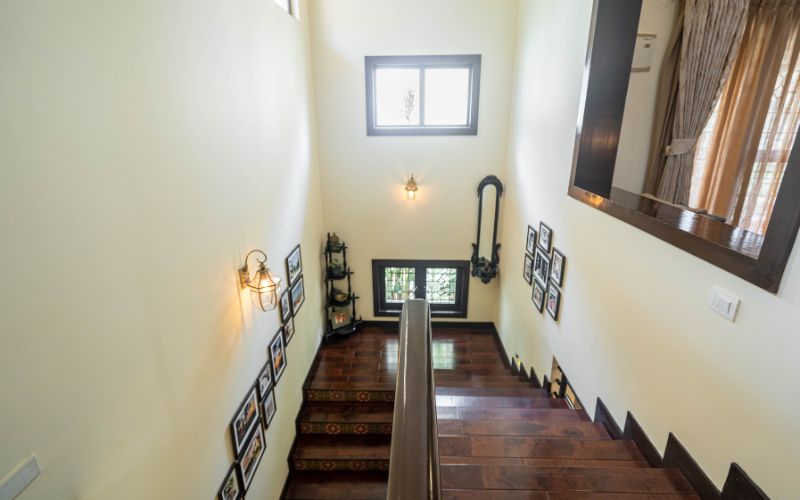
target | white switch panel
x=725, y=303
x=19, y=479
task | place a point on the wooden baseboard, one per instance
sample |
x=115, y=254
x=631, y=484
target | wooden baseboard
x=634, y=432
x=677, y=457
x=534, y=379
x=739, y=486
x=603, y=416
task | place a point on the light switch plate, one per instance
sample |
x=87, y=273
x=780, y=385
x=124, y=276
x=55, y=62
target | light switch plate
x=724, y=303
x=19, y=478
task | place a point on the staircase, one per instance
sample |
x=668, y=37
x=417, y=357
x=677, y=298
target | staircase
x=499, y=438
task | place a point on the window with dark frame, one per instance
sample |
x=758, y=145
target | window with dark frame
x=443, y=283
x=423, y=95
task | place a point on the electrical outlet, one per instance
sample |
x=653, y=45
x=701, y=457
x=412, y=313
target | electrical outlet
x=725, y=303
x=19, y=478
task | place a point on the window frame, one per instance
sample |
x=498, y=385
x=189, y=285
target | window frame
x=470, y=61
x=457, y=310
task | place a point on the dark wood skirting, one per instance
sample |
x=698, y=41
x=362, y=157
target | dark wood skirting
x=546, y=384
x=678, y=457
x=739, y=486
x=603, y=416
x=634, y=432
x=534, y=380
x=523, y=373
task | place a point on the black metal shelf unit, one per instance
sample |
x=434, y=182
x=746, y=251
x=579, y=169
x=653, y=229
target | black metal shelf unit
x=340, y=303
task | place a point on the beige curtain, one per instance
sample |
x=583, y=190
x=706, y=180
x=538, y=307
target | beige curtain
x=712, y=32
x=740, y=167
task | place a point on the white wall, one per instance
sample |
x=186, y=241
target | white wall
x=363, y=177
x=657, y=18
x=636, y=328
x=145, y=148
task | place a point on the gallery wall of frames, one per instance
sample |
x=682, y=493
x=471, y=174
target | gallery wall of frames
x=543, y=268
x=253, y=417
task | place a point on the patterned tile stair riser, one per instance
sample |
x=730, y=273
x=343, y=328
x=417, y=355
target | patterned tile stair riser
x=341, y=465
x=362, y=396
x=342, y=428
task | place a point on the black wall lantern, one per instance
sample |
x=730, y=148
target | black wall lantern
x=485, y=255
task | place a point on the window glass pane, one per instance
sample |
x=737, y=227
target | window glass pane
x=440, y=285
x=446, y=96
x=396, y=97
x=285, y=5
x=399, y=284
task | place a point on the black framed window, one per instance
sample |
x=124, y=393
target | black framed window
x=443, y=283
x=423, y=95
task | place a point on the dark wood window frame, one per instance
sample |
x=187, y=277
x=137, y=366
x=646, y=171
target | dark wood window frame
x=458, y=310
x=471, y=61
x=758, y=259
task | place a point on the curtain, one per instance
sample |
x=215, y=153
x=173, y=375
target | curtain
x=747, y=143
x=712, y=32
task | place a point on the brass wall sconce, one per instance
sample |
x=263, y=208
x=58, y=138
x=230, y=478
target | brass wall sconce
x=411, y=188
x=264, y=288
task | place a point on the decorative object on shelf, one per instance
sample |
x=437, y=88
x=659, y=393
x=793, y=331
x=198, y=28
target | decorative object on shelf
x=231, y=488
x=527, y=269
x=411, y=189
x=541, y=266
x=268, y=408
x=251, y=456
x=553, y=300
x=264, y=288
x=245, y=420
x=298, y=295
x=557, y=267
x=538, y=296
x=340, y=301
x=277, y=355
x=545, y=237
x=485, y=251
x=288, y=330
x=530, y=241
x=285, y=306
x=264, y=381
x=294, y=265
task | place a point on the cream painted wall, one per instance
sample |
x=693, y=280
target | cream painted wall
x=145, y=148
x=657, y=18
x=363, y=177
x=636, y=328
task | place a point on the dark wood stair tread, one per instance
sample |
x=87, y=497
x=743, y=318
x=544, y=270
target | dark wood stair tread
x=601, y=480
x=499, y=402
x=521, y=391
x=535, y=414
x=308, y=485
x=565, y=430
x=554, y=495
x=542, y=462
x=534, y=447
x=347, y=412
x=325, y=447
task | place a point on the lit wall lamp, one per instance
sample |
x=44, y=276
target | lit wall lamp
x=264, y=288
x=411, y=188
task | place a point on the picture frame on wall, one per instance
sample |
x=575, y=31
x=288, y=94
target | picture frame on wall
x=245, y=420
x=298, y=295
x=268, y=408
x=527, y=269
x=545, y=237
x=537, y=297
x=288, y=330
x=530, y=241
x=277, y=353
x=553, y=300
x=264, y=381
x=557, y=267
x=541, y=266
x=251, y=456
x=294, y=265
x=285, y=306
x=231, y=488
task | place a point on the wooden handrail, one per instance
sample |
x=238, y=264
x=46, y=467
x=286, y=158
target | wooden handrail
x=414, y=461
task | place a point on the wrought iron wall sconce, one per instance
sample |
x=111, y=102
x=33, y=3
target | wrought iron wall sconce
x=485, y=251
x=411, y=188
x=264, y=288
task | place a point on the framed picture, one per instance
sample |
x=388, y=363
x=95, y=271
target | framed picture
x=277, y=353
x=530, y=242
x=541, y=266
x=245, y=420
x=527, y=269
x=288, y=330
x=339, y=318
x=231, y=488
x=268, y=408
x=538, y=296
x=251, y=457
x=557, y=267
x=294, y=265
x=545, y=237
x=264, y=382
x=285, y=306
x=298, y=296
x=553, y=300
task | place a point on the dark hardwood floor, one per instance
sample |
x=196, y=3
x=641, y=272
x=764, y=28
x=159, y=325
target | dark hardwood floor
x=499, y=438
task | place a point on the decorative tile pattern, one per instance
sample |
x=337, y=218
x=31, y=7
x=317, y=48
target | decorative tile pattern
x=344, y=428
x=340, y=465
x=337, y=395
